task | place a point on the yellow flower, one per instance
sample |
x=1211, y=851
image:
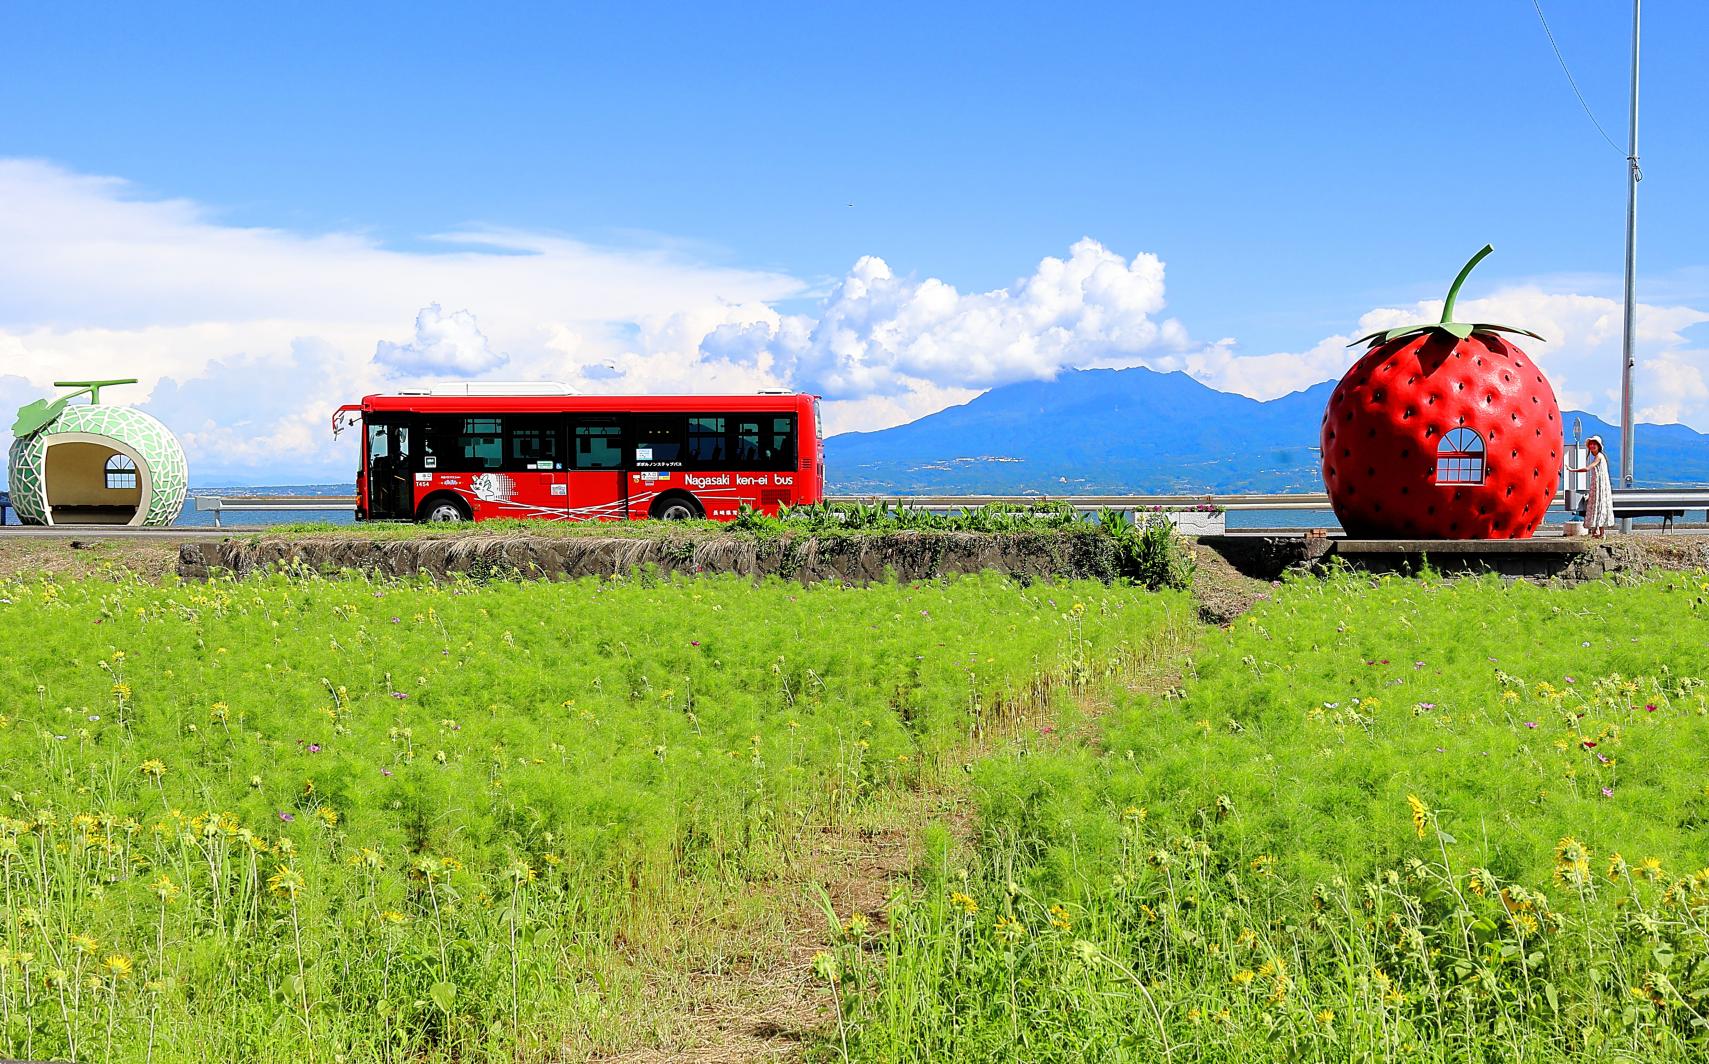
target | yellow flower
x=152, y=767
x=1616, y=866
x=1244, y=976
x=118, y=966
x=1572, y=862
x=521, y=871
x=1060, y=918
x=1420, y=814
x=1264, y=864
x=1134, y=813
x=164, y=888
x=858, y=923
x=964, y=902
x=328, y=815
x=85, y=943
x=287, y=882
x=1010, y=928
x=1326, y=1017
x=1650, y=868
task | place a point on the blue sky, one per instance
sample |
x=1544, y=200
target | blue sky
x=1294, y=167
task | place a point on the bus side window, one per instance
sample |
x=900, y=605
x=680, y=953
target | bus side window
x=747, y=442
x=481, y=443
x=781, y=453
x=599, y=446
x=534, y=445
x=659, y=441
x=706, y=440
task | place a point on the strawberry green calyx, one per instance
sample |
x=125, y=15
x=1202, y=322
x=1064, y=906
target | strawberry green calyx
x=1459, y=330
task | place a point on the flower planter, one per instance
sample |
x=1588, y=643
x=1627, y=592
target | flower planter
x=1197, y=522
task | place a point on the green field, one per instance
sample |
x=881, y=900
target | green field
x=294, y=818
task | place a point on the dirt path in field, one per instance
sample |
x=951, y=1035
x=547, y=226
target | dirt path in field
x=772, y=1005
x=1221, y=591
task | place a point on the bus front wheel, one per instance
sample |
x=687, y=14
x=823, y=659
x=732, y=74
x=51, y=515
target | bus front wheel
x=677, y=507
x=443, y=508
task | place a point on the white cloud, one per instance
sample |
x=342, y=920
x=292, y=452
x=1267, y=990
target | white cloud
x=1581, y=355
x=444, y=345
x=99, y=281
x=879, y=335
x=246, y=338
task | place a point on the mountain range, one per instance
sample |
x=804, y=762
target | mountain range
x=1111, y=431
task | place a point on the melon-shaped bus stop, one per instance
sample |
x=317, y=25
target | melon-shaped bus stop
x=92, y=463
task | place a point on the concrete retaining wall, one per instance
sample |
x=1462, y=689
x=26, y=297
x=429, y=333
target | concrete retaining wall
x=852, y=559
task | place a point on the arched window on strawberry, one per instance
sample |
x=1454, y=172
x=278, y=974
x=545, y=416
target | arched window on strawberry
x=1460, y=458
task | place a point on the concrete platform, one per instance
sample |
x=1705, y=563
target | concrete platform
x=1549, y=545
x=1544, y=557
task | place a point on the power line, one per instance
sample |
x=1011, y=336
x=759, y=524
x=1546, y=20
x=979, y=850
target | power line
x=1563, y=60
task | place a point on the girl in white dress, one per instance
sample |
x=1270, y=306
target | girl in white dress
x=1599, y=505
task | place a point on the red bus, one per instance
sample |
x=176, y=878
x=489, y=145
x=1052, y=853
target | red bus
x=459, y=454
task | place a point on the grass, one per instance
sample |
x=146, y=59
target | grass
x=1397, y=819
x=1375, y=819
x=291, y=818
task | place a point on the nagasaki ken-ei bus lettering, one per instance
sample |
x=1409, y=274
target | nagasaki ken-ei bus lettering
x=457, y=455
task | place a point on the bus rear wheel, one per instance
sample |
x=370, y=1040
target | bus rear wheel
x=677, y=507
x=443, y=508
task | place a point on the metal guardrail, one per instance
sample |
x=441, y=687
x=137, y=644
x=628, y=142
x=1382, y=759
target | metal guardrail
x=219, y=504
x=1085, y=503
x=1667, y=503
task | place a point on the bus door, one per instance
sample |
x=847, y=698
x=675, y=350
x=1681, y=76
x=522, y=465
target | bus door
x=391, y=494
x=535, y=463
x=599, y=485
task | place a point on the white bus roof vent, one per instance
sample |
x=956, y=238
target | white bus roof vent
x=498, y=388
x=775, y=391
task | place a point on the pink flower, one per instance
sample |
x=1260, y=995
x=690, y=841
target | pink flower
x=1650, y=708
x=314, y=748
x=1530, y=724
x=1588, y=744
x=1608, y=792
x=1602, y=758
x=385, y=772
x=286, y=817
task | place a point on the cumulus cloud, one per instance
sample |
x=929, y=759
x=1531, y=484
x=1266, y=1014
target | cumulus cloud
x=98, y=280
x=444, y=345
x=1580, y=355
x=246, y=338
x=878, y=335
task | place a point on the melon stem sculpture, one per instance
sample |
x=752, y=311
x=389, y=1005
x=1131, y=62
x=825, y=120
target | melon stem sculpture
x=1446, y=430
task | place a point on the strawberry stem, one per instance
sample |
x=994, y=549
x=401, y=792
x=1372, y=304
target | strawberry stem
x=1454, y=289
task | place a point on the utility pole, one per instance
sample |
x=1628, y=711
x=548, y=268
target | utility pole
x=1633, y=176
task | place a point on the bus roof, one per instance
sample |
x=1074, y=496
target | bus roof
x=546, y=404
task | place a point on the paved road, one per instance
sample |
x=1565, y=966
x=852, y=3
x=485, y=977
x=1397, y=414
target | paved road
x=124, y=532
